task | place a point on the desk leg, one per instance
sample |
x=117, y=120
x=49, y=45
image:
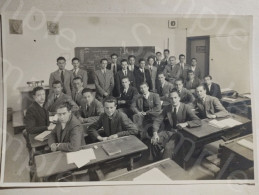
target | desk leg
x=131, y=163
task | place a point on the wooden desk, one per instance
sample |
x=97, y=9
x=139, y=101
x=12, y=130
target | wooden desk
x=205, y=134
x=234, y=156
x=167, y=166
x=56, y=162
x=227, y=92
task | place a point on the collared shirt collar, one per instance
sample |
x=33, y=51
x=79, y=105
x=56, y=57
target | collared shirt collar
x=103, y=70
x=80, y=90
x=125, y=90
x=177, y=108
x=61, y=71
x=162, y=84
x=146, y=96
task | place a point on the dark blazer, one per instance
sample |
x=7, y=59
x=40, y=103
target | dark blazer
x=128, y=97
x=184, y=71
x=51, y=105
x=153, y=74
x=70, y=138
x=186, y=96
x=172, y=74
x=83, y=74
x=135, y=67
x=109, y=67
x=160, y=67
x=120, y=125
x=184, y=114
x=197, y=72
x=93, y=113
x=214, y=90
x=164, y=92
x=212, y=106
x=139, y=78
x=118, y=78
x=77, y=98
x=165, y=61
x=68, y=79
x=36, y=119
x=103, y=83
x=153, y=101
x=192, y=85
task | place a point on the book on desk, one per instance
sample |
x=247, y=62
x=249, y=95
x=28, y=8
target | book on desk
x=43, y=136
x=111, y=149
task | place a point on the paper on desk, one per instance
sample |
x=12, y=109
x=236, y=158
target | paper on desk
x=229, y=122
x=225, y=89
x=152, y=175
x=229, y=99
x=81, y=157
x=43, y=136
x=245, y=143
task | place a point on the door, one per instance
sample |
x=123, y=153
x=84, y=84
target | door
x=198, y=47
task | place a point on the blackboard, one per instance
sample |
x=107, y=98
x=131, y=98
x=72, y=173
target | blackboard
x=90, y=56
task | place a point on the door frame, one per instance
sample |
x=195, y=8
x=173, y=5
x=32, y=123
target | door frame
x=188, y=50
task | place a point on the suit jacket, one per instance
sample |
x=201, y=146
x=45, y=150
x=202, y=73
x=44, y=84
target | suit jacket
x=110, y=67
x=186, y=96
x=103, y=83
x=140, y=77
x=164, y=92
x=83, y=74
x=119, y=76
x=77, y=97
x=68, y=79
x=70, y=138
x=214, y=90
x=135, y=67
x=184, y=114
x=192, y=85
x=153, y=101
x=197, y=72
x=120, y=125
x=160, y=67
x=184, y=70
x=165, y=61
x=172, y=74
x=212, y=106
x=153, y=74
x=51, y=105
x=36, y=119
x=128, y=97
x=93, y=113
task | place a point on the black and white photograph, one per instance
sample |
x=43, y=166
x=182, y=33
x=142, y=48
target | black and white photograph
x=133, y=99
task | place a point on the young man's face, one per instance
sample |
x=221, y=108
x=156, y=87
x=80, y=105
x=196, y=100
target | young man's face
x=61, y=64
x=151, y=61
x=76, y=64
x=142, y=64
x=39, y=96
x=166, y=54
x=132, y=61
x=161, y=78
x=144, y=89
x=179, y=85
x=201, y=92
x=159, y=56
x=88, y=97
x=109, y=108
x=114, y=59
x=57, y=88
x=194, y=62
x=175, y=99
x=63, y=114
x=125, y=83
x=207, y=80
x=124, y=65
x=182, y=59
x=78, y=84
x=172, y=61
x=104, y=64
x=191, y=76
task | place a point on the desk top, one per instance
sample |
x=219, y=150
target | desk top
x=56, y=162
x=238, y=149
x=206, y=130
x=167, y=166
x=237, y=100
x=227, y=92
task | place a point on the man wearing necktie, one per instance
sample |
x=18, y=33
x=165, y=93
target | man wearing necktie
x=194, y=67
x=78, y=87
x=177, y=115
x=166, y=56
x=153, y=71
x=185, y=95
x=78, y=72
x=164, y=87
x=212, y=89
x=172, y=71
x=192, y=81
x=132, y=60
x=183, y=67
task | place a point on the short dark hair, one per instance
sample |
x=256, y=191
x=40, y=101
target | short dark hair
x=64, y=105
x=181, y=55
x=74, y=59
x=57, y=82
x=158, y=53
x=110, y=99
x=208, y=76
x=159, y=73
x=167, y=50
x=174, y=90
x=149, y=57
x=131, y=56
x=202, y=87
x=172, y=57
x=87, y=90
x=35, y=89
x=103, y=60
x=141, y=59
x=193, y=59
x=124, y=60
x=189, y=71
x=143, y=83
x=179, y=79
x=78, y=78
x=114, y=54
x=61, y=58
x=125, y=77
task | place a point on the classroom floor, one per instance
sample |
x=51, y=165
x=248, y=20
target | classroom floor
x=17, y=169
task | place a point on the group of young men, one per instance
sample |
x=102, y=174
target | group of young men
x=151, y=100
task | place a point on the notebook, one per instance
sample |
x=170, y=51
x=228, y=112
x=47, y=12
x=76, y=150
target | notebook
x=111, y=149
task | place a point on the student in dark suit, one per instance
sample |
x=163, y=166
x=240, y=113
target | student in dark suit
x=90, y=109
x=115, y=123
x=172, y=71
x=68, y=135
x=78, y=72
x=191, y=82
x=104, y=81
x=208, y=106
x=78, y=88
x=183, y=67
x=132, y=60
x=142, y=75
x=58, y=97
x=152, y=70
x=175, y=116
x=159, y=63
x=212, y=89
x=165, y=60
x=164, y=87
x=62, y=75
x=128, y=94
x=145, y=107
x=185, y=95
x=124, y=72
x=114, y=66
x=195, y=68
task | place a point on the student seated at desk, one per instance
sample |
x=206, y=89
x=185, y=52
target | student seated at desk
x=164, y=87
x=175, y=115
x=68, y=135
x=114, y=122
x=58, y=97
x=192, y=81
x=212, y=89
x=185, y=95
x=78, y=88
x=208, y=106
x=90, y=108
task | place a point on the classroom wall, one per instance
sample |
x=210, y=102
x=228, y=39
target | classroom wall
x=32, y=56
